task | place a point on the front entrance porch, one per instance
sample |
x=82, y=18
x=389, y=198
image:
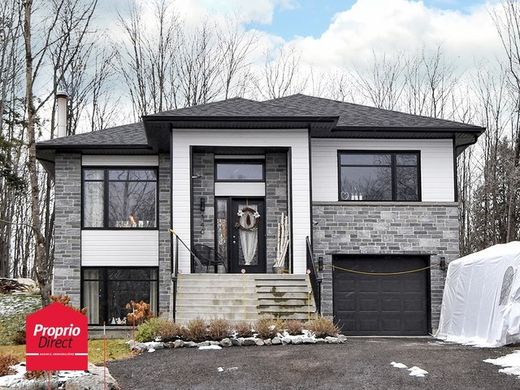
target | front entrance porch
x=238, y=200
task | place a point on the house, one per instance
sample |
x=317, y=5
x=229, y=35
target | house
x=370, y=196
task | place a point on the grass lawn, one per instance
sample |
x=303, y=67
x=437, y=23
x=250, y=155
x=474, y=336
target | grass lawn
x=116, y=349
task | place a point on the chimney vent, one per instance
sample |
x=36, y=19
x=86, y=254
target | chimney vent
x=61, y=113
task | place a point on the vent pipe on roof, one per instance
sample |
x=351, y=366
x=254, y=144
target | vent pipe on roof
x=61, y=113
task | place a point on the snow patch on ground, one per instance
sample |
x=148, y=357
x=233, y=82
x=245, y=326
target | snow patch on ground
x=417, y=371
x=511, y=363
x=12, y=304
x=18, y=379
x=414, y=371
x=205, y=347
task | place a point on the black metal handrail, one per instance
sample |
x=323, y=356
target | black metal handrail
x=314, y=276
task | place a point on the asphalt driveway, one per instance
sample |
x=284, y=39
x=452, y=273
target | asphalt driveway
x=358, y=364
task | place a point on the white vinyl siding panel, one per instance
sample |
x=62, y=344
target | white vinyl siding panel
x=117, y=160
x=120, y=248
x=437, y=175
x=295, y=140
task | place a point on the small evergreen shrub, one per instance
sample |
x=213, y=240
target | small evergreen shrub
x=322, y=327
x=219, y=329
x=147, y=331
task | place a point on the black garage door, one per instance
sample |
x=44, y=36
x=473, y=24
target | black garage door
x=381, y=305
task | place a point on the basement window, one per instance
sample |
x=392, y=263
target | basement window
x=106, y=291
x=379, y=176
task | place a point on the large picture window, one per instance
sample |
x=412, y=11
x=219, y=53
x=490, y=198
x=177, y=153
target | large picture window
x=383, y=176
x=107, y=291
x=120, y=198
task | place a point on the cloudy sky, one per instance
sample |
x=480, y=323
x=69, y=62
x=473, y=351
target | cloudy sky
x=347, y=32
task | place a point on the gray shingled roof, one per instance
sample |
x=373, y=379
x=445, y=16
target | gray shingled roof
x=356, y=115
x=235, y=107
x=295, y=106
x=126, y=135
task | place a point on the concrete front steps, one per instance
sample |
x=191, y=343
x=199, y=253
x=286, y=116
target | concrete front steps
x=243, y=297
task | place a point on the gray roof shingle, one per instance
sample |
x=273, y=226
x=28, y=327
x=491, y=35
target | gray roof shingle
x=295, y=106
x=356, y=115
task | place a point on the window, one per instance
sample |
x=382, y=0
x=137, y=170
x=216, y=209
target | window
x=384, y=176
x=239, y=171
x=120, y=198
x=106, y=292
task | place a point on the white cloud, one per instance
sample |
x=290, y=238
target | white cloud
x=401, y=26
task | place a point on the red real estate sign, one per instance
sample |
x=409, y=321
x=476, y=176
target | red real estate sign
x=57, y=339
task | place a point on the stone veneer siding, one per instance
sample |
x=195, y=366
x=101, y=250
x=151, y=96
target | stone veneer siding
x=275, y=200
x=386, y=228
x=67, y=227
x=165, y=271
x=67, y=231
x=203, y=186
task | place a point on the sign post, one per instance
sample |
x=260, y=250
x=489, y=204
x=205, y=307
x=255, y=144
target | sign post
x=57, y=339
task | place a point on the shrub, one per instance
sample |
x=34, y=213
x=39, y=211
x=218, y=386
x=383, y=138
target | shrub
x=140, y=312
x=147, y=331
x=65, y=299
x=168, y=330
x=195, y=330
x=37, y=374
x=6, y=361
x=219, y=329
x=243, y=329
x=267, y=327
x=322, y=327
x=293, y=327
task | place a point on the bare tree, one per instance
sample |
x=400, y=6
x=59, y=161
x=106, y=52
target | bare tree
x=68, y=19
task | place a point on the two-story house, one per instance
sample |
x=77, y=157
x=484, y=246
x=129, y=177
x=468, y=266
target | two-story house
x=370, y=197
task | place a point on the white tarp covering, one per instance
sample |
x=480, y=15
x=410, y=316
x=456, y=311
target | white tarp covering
x=481, y=302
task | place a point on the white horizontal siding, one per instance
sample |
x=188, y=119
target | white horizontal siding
x=295, y=140
x=239, y=189
x=120, y=248
x=133, y=161
x=437, y=181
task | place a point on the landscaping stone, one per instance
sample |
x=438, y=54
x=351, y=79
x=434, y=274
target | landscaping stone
x=214, y=343
x=137, y=346
x=286, y=340
x=236, y=342
x=321, y=341
x=155, y=345
x=190, y=344
x=267, y=342
x=93, y=381
x=249, y=341
x=297, y=340
x=226, y=342
x=178, y=344
x=276, y=341
x=259, y=342
x=342, y=338
x=308, y=340
x=332, y=340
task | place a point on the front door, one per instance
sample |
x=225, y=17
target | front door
x=240, y=233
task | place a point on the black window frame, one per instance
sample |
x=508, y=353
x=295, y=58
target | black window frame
x=393, y=165
x=239, y=162
x=106, y=181
x=105, y=282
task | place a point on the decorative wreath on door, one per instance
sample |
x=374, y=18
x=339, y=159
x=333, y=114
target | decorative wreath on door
x=247, y=219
